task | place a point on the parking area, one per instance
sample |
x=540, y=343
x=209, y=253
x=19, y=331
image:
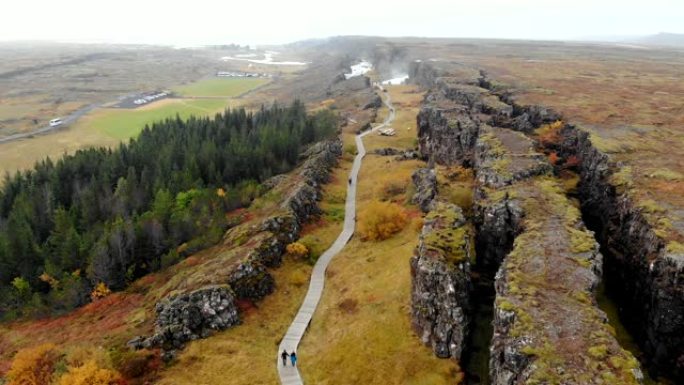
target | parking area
x=143, y=99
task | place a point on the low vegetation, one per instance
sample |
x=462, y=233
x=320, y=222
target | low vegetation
x=34, y=366
x=380, y=220
x=47, y=364
x=90, y=374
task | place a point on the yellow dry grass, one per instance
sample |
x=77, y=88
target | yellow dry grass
x=361, y=332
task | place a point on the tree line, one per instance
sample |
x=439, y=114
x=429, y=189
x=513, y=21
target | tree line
x=104, y=217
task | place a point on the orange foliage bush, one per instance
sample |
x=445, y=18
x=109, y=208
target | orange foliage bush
x=549, y=134
x=381, y=220
x=100, y=291
x=297, y=249
x=553, y=158
x=33, y=366
x=90, y=374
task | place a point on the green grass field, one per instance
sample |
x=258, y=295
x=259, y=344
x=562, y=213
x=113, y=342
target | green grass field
x=220, y=87
x=124, y=123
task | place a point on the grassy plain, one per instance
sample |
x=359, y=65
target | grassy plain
x=220, y=87
x=109, y=126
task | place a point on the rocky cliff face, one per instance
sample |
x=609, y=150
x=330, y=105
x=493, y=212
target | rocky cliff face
x=498, y=224
x=526, y=118
x=190, y=316
x=425, y=181
x=547, y=327
x=440, y=289
x=446, y=131
x=648, y=279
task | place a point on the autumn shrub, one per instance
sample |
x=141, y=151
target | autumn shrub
x=553, y=158
x=549, y=134
x=90, y=374
x=78, y=355
x=33, y=366
x=100, y=291
x=297, y=250
x=381, y=220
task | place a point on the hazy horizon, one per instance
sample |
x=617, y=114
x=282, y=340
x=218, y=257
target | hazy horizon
x=263, y=22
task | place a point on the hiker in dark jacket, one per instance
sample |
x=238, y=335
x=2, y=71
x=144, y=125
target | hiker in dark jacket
x=284, y=356
x=293, y=358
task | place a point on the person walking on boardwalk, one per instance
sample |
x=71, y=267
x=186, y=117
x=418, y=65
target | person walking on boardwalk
x=284, y=356
x=293, y=358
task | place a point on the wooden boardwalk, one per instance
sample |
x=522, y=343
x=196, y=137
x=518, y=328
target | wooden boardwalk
x=289, y=375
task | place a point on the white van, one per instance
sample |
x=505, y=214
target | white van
x=56, y=122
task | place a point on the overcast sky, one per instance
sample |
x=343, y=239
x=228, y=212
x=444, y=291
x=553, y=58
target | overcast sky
x=196, y=22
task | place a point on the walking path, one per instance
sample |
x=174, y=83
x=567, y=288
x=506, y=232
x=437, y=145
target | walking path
x=290, y=375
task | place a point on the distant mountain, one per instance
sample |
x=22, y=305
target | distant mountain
x=660, y=39
x=671, y=39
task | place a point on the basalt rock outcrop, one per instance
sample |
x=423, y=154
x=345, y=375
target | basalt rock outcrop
x=646, y=278
x=250, y=280
x=446, y=131
x=503, y=157
x=498, y=224
x=191, y=316
x=526, y=118
x=547, y=326
x=425, y=180
x=342, y=85
x=399, y=155
x=375, y=102
x=440, y=288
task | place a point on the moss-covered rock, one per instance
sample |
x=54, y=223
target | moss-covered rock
x=441, y=286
